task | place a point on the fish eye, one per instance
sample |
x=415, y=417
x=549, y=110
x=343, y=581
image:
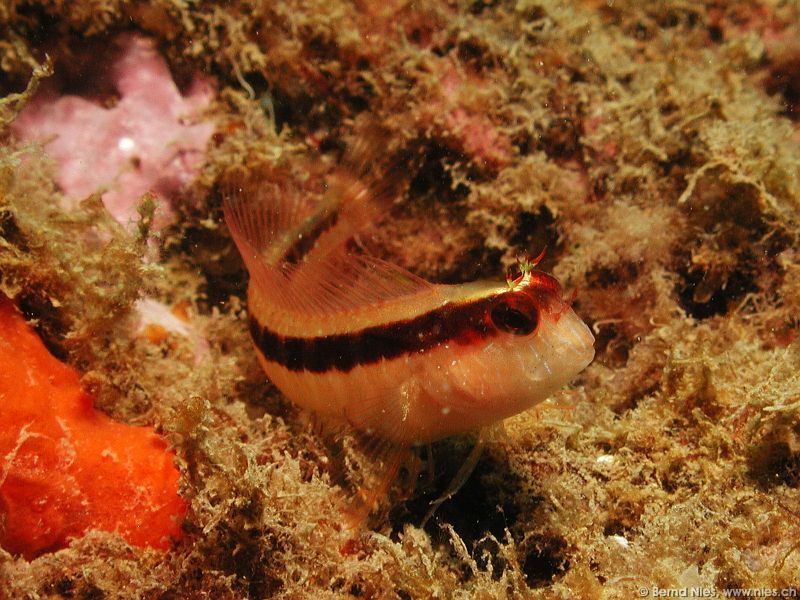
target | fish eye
x=519, y=320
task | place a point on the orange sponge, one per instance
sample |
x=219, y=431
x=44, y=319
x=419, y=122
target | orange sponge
x=65, y=467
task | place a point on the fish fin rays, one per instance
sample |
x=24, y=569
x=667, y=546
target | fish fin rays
x=259, y=213
x=365, y=467
x=343, y=282
x=332, y=276
x=385, y=461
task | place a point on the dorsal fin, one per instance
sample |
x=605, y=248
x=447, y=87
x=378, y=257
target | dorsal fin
x=301, y=251
x=260, y=213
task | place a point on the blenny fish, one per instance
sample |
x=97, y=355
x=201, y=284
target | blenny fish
x=361, y=341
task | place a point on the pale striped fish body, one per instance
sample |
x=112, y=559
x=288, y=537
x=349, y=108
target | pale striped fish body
x=359, y=340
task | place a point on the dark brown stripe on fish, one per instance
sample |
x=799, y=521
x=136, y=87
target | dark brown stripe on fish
x=459, y=324
x=308, y=235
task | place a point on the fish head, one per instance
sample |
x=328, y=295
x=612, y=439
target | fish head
x=526, y=343
x=541, y=344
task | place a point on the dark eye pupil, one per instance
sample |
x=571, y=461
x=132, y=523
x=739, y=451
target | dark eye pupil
x=512, y=320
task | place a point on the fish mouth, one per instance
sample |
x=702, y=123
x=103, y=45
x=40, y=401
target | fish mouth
x=559, y=352
x=573, y=341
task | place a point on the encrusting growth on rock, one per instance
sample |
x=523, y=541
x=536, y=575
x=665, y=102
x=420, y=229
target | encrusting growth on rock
x=66, y=468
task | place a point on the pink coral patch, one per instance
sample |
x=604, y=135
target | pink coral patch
x=473, y=132
x=146, y=142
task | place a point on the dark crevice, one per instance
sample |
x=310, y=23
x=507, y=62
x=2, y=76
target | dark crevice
x=703, y=295
x=481, y=512
x=773, y=462
x=545, y=560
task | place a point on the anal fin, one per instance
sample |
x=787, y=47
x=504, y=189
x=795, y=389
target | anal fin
x=384, y=461
x=365, y=467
